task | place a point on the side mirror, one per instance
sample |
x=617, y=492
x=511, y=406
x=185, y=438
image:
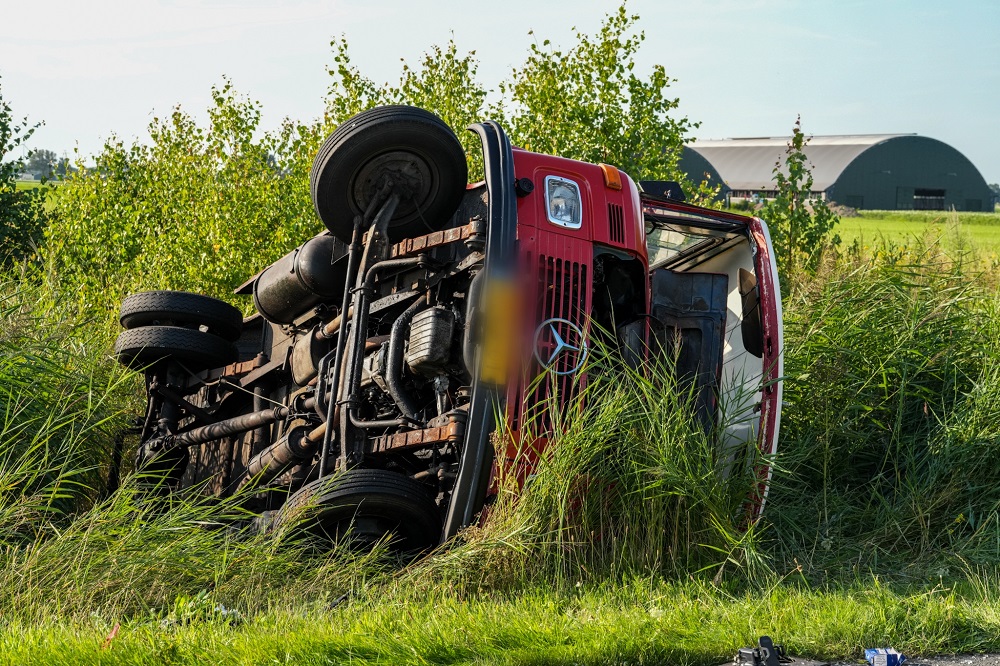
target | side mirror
x=668, y=189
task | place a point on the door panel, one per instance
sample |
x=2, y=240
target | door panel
x=689, y=311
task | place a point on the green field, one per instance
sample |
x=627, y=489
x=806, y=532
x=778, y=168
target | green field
x=51, y=190
x=981, y=230
x=634, y=623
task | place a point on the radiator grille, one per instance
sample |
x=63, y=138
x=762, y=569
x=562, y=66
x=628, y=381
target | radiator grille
x=616, y=223
x=562, y=294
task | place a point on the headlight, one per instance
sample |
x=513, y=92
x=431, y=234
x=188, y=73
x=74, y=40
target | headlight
x=562, y=199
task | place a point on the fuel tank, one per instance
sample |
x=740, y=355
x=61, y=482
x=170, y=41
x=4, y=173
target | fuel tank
x=310, y=274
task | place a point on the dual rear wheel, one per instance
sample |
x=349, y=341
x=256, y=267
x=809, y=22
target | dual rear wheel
x=194, y=330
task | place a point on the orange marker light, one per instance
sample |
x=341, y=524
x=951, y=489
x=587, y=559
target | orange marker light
x=612, y=177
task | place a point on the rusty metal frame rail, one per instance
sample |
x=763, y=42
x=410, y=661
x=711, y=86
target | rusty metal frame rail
x=412, y=246
x=415, y=439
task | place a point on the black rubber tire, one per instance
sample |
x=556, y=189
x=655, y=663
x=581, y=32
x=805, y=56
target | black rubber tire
x=181, y=308
x=364, y=506
x=137, y=348
x=414, y=146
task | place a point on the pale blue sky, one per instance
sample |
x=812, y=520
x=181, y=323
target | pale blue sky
x=744, y=68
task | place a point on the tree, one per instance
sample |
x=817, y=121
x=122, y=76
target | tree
x=585, y=103
x=588, y=103
x=41, y=163
x=64, y=167
x=444, y=82
x=194, y=207
x=21, y=213
x=800, y=224
x=201, y=206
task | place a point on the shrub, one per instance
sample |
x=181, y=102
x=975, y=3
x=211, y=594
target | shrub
x=22, y=216
x=800, y=224
x=203, y=208
x=588, y=103
x=198, y=209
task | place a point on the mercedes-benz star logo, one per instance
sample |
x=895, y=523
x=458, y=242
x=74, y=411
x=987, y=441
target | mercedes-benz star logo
x=567, y=349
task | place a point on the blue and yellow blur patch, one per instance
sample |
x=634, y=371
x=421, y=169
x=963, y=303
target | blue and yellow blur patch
x=500, y=307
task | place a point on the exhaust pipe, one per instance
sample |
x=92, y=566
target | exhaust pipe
x=296, y=447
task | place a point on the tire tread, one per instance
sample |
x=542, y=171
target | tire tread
x=150, y=307
x=137, y=348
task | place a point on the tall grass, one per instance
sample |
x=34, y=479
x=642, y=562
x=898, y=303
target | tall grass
x=891, y=376
x=60, y=412
x=885, y=465
x=629, y=484
x=70, y=547
x=130, y=557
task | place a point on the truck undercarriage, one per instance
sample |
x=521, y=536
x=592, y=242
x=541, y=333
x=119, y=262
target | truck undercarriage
x=366, y=388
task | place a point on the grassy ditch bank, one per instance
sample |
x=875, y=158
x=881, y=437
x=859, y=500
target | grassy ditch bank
x=627, y=548
x=634, y=622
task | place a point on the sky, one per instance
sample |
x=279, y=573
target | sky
x=93, y=68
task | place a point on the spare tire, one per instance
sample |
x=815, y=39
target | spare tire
x=137, y=348
x=411, y=146
x=181, y=308
x=365, y=506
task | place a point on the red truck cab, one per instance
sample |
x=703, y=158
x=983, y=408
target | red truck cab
x=587, y=233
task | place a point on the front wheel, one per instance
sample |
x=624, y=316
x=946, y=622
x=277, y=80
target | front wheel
x=364, y=507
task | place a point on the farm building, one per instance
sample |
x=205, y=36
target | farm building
x=873, y=171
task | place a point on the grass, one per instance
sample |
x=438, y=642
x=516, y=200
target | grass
x=627, y=548
x=981, y=230
x=889, y=438
x=633, y=622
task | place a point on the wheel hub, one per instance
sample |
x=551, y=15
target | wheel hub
x=411, y=177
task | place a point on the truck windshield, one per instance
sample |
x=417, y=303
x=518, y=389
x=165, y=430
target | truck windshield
x=667, y=243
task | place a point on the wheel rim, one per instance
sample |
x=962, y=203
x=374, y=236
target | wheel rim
x=413, y=178
x=364, y=531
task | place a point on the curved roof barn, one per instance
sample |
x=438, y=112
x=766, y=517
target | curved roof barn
x=874, y=171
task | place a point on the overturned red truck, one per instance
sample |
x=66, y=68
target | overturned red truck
x=383, y=353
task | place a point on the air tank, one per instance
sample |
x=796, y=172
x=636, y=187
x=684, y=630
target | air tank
x=313, y=273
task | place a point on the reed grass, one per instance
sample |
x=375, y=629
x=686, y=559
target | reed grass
x=629, y=544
